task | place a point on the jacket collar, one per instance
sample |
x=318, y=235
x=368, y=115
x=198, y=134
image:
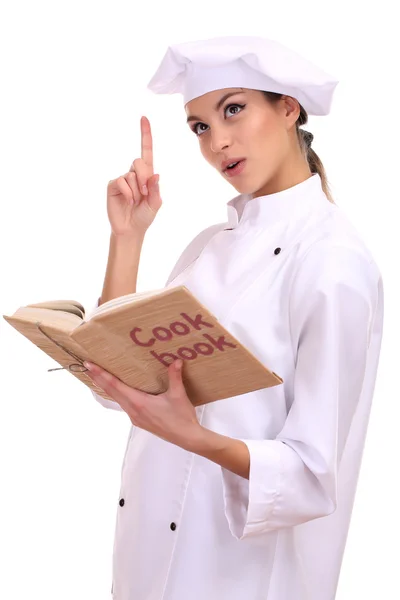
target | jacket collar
x=267, y=210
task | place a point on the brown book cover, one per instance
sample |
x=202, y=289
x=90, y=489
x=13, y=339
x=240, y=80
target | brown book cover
x=136, y=337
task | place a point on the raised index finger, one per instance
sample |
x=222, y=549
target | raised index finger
x=147, y=141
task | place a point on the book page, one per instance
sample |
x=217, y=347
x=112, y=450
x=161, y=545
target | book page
x=122, y=300
x=64, y=321
x=69, y=306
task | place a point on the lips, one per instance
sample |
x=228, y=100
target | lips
x=237, y=170
x=225, y=164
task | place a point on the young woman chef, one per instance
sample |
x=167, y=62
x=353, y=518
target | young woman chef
x=248, y=498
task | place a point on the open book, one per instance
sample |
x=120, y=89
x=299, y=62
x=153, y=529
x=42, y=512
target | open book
x=137, y=336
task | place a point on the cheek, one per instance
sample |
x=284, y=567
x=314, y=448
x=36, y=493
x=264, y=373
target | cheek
x=206, y=152
x=254, y=132
x=266, y=139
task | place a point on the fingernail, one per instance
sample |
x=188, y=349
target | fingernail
x=87, y=365
x=145, y=190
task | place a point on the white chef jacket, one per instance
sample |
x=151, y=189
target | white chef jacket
x=289, y=276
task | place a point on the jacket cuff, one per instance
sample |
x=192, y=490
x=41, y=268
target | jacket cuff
x=251, y=503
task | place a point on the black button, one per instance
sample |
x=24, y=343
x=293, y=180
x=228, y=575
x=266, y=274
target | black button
x=173, y=526
x=277, y=250
x=121, y=502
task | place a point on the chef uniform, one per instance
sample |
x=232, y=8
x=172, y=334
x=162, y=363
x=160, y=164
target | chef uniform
x=290, y=277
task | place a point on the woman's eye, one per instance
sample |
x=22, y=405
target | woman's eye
x=196, y=126
x=234, y=106
x=196, y=131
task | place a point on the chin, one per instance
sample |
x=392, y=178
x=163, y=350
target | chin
x=242, y=186
x=245, y=187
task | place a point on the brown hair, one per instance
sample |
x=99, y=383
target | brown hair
x=313, y=159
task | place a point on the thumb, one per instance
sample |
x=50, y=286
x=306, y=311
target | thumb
x=175, y=376
x=153, y=198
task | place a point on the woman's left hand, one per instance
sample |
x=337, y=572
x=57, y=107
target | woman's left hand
x=170, y=415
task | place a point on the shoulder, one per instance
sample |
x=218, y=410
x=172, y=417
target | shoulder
x=336, y=288
x=335, y=262
x=335, y=251
x=202, y=238
x=336, y=276
x=194, y=248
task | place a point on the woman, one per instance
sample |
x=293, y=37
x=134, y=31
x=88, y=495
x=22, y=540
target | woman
x=249, y=498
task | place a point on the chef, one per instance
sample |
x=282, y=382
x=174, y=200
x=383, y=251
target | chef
x=250, y=497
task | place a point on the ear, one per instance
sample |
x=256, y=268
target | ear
x=291, y=109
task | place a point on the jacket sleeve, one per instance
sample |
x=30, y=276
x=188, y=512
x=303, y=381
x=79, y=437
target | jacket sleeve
x=293, y=478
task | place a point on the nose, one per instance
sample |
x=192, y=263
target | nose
x=220, y=139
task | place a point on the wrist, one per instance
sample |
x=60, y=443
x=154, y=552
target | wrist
x=127, y=239
x=230, y=453
x=202, y=441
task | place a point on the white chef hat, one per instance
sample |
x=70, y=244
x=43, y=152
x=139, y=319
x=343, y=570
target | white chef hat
x=195, y=68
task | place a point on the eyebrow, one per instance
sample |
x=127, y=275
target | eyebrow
x=217, y=106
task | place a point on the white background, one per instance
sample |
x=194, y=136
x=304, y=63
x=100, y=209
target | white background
x=73, y=79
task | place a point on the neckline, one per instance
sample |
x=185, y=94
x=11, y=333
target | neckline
x=270, y=208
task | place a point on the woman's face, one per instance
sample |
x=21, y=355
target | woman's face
x=245, y=125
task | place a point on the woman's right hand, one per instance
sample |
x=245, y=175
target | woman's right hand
x=130, y=209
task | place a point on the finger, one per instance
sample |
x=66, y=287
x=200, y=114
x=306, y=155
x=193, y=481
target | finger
x=124, y=189
x=113, y=386
x=154, y=200
x=131, y=179
x=147, y=142
x=109, y=389
x=143, y=174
